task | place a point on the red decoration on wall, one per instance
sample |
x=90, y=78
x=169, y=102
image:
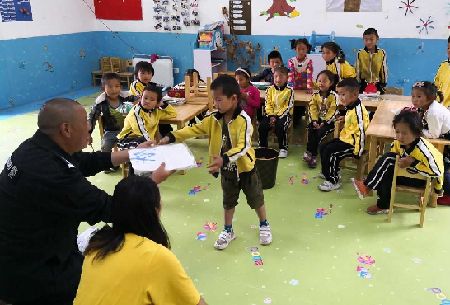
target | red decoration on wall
x=118, y=9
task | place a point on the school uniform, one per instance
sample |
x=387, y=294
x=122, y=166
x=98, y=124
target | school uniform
x=428, y=162
x=351, y=142
x=442, y=81
x=371, y=68
x=342, y=70
x=279, y=103
x=322, y=109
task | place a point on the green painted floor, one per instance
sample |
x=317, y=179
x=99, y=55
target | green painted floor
x=311, y=261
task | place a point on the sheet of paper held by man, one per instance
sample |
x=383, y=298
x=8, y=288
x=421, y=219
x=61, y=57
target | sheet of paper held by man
x=176, y=156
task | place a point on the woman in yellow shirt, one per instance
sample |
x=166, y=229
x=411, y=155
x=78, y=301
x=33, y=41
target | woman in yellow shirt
x=131, y=263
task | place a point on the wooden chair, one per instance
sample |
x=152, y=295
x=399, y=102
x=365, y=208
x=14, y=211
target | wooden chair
x=424, y=192
x=198, y=92
x=361, y=163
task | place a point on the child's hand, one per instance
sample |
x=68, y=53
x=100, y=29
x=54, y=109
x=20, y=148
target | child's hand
x=315, y=125
x=161, y=174
x=164, y=141
x=147, y=144
x=272, y=122
x=405, y=162
x=216, y=165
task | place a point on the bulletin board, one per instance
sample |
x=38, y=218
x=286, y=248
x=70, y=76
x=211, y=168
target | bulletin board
x=15, y=10
x=240, y=17
x=118, y=9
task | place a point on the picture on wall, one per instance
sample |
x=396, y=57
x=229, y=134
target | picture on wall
x=118, y=9
x=280, y=8
x=15, y=10
x=354, y=5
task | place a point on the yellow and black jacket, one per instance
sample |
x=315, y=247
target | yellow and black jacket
x=323, y=109
x=137, y=87
x=343, y=70
x=240, y=134
x=371, y=67
x=442, y=81
x=279, y=101
x=356, y=123
x=141, y=122
x=428, y=160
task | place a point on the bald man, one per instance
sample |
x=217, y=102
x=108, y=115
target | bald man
x=44, y=196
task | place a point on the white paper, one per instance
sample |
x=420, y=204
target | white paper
x=176, y=156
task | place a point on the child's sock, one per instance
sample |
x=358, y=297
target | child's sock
x=264, y=223
x=228, y=228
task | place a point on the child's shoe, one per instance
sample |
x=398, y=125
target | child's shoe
x=265, y=235
x=283, y=153
x=375, y=210
x=312, y=163
x=306, y=156
x=327, y=186
x=224, y=240
x=360, y=188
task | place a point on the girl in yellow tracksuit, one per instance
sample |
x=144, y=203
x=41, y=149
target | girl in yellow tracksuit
x=335, y=60
x=442, y=78
x=416, y=154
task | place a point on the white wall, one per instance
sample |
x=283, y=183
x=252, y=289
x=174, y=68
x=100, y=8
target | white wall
x=51, y=17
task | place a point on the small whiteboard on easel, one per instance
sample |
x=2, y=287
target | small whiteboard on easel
x=318, y=64
x=176, y=157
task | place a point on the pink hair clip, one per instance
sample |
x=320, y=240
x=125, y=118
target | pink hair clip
x=419, y=84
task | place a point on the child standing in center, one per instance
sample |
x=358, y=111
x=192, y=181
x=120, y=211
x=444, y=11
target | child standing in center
x=300, y=67
x=335, y=60
x=230, y=150
x=277, y=111
x=322, y=115
x=352, y=137
x=371, y=66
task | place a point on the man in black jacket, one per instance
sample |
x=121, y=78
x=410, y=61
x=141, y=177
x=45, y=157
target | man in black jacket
x=44, y=196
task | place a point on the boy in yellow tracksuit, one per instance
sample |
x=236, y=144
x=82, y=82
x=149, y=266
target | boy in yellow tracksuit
x=442, y=78
x=230, y=131
x=141, y=123
x=371, y=66
x=352, y=138
x=277, y=111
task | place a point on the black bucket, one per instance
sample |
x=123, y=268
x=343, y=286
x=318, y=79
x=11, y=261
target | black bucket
x=266, y=164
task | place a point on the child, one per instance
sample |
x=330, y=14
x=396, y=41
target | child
x=266, y=75
x=442, y=78
x=300, y=66
x=417, y=155
x=142, y=121
x=111, y=107
x=277, y=111
x=322, y=113
x=249, y=93
x=352, y=137
x=335, y=60
x=230, y=132
x=370, y=63
x=435, y=117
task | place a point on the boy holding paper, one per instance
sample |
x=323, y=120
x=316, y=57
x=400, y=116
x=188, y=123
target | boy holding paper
x=230, y=130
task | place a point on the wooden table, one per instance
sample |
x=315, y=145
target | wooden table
x=301, y=97
x=372, y=104
x=185, y=113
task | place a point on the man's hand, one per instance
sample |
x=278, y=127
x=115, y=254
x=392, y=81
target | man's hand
x=216, y=165
x=161, y=174
x=272, y=122
x=164, y=141
x=405, y=162
x=147, y=144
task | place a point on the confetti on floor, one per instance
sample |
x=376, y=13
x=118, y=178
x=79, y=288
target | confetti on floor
x=201, y=236
x=416, y=260
x=210, y=226
x=199, y=162
x=196, y=189
x=320, y=213
x=293, y=282
x=341, y=226
x=367, y=261
x=387, y=250
x=256, y=256
x=267, y=301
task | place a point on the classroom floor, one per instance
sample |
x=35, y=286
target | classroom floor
x=311, y=260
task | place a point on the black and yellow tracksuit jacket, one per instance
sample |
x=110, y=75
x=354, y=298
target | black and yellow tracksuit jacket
x=428, y=160
x=342, y=70
x=356, y=123
x=371, y=67
x=279, y=101
x=442, y=81
x=141, y=122
x=323, y=108
x=240, y=134
x=137, y=87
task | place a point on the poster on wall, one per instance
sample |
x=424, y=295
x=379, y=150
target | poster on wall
x=280, y=8
x=118, y=9
x=15, y=10
x=241, y=17
x=354, y=5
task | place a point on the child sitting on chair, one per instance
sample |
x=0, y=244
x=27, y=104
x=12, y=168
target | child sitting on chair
x=442, y=78
x=322, y=115
x=266, y=75
x=416, y=154
x=352, y=137
x=141, y=123
x=249, y=93
x=335, y=61
x=277, y=111
x=143, y=74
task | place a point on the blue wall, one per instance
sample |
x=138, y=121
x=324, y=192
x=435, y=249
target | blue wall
x=24, y=79
x=25, y=76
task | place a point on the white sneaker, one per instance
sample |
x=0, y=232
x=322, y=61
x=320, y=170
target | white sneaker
x=265, y=235
x=283, y=153
x=224, y=240
x=327, y=186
